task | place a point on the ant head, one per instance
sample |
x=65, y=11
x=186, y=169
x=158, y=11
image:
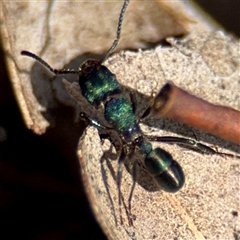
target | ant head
x=88, y=66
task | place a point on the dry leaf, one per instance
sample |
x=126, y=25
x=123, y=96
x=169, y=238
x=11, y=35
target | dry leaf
x=63, y=31
x=204, y=208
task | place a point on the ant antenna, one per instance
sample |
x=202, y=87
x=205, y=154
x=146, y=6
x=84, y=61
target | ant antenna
x=56, y=71
x=63, y=71
x=115, y=42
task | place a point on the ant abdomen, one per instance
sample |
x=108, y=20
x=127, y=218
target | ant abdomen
x=166, y=172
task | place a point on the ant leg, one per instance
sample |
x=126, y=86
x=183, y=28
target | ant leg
x=114, y=143
x=185, y=141
x=119, y=178
x=121, y=159
x=148, y=109
x=133, y=101
x=134, y=178
x=93, y=122
x=122, y=153
x=190, y=143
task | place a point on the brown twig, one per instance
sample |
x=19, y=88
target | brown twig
x=177, y=104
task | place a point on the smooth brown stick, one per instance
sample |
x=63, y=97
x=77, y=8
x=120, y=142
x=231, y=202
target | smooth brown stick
x=177, y=104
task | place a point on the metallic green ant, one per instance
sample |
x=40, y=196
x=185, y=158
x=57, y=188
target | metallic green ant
x=101, y=89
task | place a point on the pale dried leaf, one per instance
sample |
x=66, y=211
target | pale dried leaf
x=203, y=208
x=62, y=31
